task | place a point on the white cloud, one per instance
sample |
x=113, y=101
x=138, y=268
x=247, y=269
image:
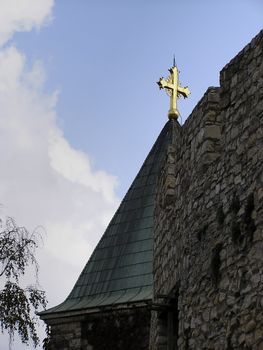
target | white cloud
x=43, y=179
x=75, y=166
x=22, y=15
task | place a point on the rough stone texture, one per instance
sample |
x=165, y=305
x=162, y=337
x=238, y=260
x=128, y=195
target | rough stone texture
x=208, y=245
x=102, y=331
x=66, y=333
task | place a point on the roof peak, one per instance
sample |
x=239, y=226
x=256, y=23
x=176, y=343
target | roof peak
x=120, y=268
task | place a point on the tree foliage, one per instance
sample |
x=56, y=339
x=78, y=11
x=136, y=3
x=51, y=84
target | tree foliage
x=18, y=305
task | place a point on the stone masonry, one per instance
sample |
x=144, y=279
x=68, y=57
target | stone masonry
x=108, y=329
x=208, y=244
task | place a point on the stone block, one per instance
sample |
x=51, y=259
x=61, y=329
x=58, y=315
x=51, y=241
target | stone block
x=212, y=131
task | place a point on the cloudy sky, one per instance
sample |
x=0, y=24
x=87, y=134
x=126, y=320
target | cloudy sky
x=80, y=109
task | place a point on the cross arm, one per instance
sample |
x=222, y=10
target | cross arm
x=184, y=91
x=164, y=84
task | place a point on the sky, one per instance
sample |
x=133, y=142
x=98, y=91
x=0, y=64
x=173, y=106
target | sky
x=80, y=108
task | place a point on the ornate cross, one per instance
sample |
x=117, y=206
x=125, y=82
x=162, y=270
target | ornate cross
x=174, y=90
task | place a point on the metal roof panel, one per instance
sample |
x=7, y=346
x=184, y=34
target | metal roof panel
x=120, y=268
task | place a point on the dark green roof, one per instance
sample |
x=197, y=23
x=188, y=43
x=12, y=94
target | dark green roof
x=120, y=269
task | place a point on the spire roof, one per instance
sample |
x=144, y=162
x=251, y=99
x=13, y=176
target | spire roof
x=120, y=270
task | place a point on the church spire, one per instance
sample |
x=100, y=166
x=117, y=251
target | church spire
x=174, y=63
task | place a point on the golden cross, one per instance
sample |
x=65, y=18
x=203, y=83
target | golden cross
x=174, y=90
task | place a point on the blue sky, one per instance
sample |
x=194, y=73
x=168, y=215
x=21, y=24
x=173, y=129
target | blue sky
x=105, y=57
x=87, y=107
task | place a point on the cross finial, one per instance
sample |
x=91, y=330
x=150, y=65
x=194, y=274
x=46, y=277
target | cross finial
x=174, y=90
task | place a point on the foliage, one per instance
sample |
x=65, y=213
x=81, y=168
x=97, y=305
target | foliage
x=18, y=305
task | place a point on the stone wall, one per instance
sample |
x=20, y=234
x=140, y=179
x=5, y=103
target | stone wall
x=107, y=330
x=208, y=245
x=66, y=333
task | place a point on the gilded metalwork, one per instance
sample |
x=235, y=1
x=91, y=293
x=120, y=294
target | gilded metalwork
x=174, y=90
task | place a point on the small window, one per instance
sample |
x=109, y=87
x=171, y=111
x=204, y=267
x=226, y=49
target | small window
x=173, y=323
x=168, y=320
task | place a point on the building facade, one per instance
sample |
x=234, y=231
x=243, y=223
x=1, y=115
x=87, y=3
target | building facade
x=208, y=236
x=180, y=264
